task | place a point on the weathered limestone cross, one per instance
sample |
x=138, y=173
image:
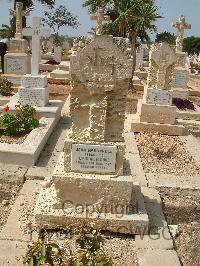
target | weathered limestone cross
x=19, y=13
x=36, y=32
x=99, y=17
x=181, y=26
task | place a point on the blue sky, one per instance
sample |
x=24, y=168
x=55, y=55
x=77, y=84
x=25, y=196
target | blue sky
x=169, y=9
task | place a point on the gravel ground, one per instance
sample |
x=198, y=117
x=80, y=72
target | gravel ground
x=164, y=154
x=182, y=208
x=120, y=248
x=8, y=194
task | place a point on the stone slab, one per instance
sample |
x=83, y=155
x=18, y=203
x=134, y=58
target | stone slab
x=171, y=130
x=36, y=97
x=61, y=74
x=17, y=63
x=158, y=257
x=29, y=81
x=173, y=181
x=180, y=77
x=12, y=252
x=159, y=236
x=48, y=217
x=156, y=96
x=161, y=114
x=20, y=223
x=47, y=67
x=28, y=152
x=102, y=189
x=192, y=145
x=180, y=93
x=188, y=114
x=12, y=173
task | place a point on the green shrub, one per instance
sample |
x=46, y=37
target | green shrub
x=43, y=254
x=22, y=122
x=6, y=88
x=88, y=253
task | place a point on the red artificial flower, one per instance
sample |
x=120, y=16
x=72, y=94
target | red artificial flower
x=6, y=109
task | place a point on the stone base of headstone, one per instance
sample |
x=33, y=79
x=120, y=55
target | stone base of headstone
x=47, y=56
x=59, y=74
x=34, y=90
x=154, y=128
x=161, y=114
x=17, y=63
x=18, y=46
x=35, y=97
x=180, y=93
x=71, y=199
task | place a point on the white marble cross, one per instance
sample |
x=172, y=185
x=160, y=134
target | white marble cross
x=181, y=26
x=19, y=13
x=99, y=17
x=36, y=32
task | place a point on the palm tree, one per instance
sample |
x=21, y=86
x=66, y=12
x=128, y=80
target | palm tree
x=132, y=18
x=7, y=31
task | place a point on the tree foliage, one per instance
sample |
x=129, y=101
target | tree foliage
x=129, y=18
x=58, y=18
x=166, y=37
x=191, y=45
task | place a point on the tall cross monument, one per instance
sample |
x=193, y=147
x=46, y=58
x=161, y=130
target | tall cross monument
x=19, y=13
x=100, y=17
x=36, y=32
x=181, y=26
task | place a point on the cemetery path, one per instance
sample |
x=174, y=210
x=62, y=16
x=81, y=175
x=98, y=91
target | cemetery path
x=182, y=211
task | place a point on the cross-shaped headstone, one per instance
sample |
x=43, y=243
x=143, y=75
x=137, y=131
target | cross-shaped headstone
x=36, y=32
x=99, y=17
x=19, y=13
x=163, y=57
x=181, y=26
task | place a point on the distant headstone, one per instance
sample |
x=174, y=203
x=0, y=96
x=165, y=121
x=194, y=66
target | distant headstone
x=34, y=87
x=181, y=26
x=19, y=13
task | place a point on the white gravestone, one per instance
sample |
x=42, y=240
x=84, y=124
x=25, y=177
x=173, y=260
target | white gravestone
x=34, y=89
x=180, y=78
x=36, y=33
x=161, y=97
x=93, y=158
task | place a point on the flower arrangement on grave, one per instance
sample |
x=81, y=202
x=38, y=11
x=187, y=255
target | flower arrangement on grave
x=52, y=62
x=21, y=122
x=183, y=104
x=6, y=87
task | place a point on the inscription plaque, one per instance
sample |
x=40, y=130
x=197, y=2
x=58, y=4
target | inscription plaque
x=93, y=158
x=180, y=78
x=162, y=97
x=15, y=65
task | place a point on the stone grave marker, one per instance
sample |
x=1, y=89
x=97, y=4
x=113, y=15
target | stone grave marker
x=100, y=17
x=90, y=171
x=17, y=60
x=155, y=112
x=181, y=26
x=34, y=87
x=57, y=54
